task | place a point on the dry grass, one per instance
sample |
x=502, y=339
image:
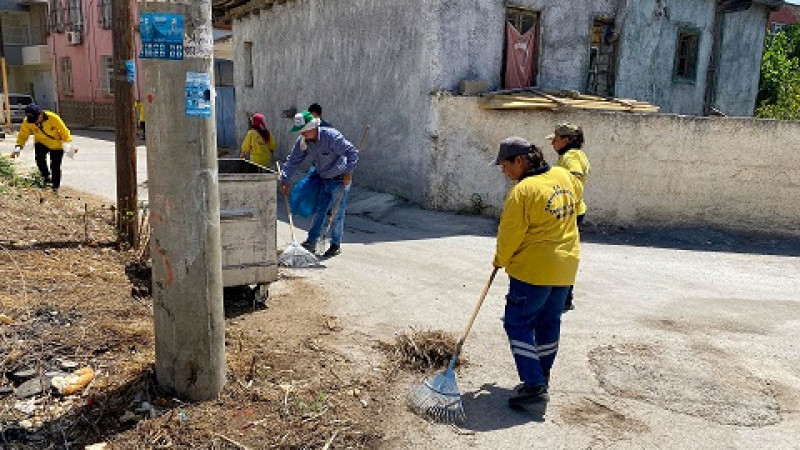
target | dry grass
x=422, y=351
x=73, y=298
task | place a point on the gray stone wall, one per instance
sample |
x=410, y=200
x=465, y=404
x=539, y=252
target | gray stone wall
x=647, y=53
x=471, y=35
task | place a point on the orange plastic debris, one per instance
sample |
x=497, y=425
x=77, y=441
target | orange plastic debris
x=73, y=383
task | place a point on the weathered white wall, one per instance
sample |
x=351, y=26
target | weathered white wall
x=739, y=174
x=471, y=34
x=740, y=61
x=647, y=53
x=365, y=61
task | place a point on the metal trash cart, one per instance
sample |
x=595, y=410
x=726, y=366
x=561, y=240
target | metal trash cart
x=247, y=196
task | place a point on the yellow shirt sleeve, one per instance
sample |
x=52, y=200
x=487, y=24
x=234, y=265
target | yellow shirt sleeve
x=512, y=230
x=24, y=133
x=573, y=164
x=247, y=144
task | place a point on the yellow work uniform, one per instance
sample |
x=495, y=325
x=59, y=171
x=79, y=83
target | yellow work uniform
x=51, y=132
x=537, y=240
x=257, y=150
x=576, y=163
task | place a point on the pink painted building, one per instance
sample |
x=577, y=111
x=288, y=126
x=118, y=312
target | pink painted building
x=787, y=14
x=82, y=48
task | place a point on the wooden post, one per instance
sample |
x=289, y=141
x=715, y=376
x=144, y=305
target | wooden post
x=125, y=123
x=3, y=68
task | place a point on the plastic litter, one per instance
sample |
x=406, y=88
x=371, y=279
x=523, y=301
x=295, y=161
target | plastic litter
x=74, y=382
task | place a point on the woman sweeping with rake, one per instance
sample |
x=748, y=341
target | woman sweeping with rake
x=538, y=245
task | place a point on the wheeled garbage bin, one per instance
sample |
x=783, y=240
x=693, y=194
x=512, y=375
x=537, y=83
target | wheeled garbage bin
x=248, y=225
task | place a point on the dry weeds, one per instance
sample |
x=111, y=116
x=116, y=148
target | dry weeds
x=72, y=298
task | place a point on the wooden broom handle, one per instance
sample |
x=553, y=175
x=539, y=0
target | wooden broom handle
x=286, y=199
x=475, y=312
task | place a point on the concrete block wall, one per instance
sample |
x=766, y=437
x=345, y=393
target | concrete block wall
x=739, y=174
x=83, y=113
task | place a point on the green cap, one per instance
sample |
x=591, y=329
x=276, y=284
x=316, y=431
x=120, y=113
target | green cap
x=565, y=130
x=300, y=120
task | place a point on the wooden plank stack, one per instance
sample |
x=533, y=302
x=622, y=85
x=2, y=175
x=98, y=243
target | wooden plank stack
x=531, y=98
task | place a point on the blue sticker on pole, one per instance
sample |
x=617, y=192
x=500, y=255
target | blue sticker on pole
x=198, y=94
x=130, y=71
x=162, y=35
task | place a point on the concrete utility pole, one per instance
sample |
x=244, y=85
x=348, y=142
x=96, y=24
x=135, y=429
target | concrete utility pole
x=184, y=199
x=125, y=123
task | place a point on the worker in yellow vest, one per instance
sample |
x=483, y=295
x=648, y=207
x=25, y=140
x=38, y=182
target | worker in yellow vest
x=538, y=245
x=50, y=136
x=567, y=141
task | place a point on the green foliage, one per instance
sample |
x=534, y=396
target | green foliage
x=10, y=177
x=779, y=89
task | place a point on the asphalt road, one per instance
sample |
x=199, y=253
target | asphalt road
x=680, y=338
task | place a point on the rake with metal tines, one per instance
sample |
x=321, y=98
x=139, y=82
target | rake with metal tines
x=438, y=397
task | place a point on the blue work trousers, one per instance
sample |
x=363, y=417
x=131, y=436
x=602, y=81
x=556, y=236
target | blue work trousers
x=533, y=323
x=328, y=194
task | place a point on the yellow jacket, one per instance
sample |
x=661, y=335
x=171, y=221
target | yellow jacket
x=537, y=240
x=259, y=152
x=576, y=163
x=51, y=133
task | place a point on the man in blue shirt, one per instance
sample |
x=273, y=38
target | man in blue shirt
x=334, y=158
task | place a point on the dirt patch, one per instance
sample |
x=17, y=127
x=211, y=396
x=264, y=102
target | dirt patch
x=693, y=380
x=70, y=298
x=606, y=423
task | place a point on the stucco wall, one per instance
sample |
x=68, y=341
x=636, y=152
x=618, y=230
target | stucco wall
x=646, y=169
x=361, y=71
x=740, y=61
x=647, y=53
x=471, y=34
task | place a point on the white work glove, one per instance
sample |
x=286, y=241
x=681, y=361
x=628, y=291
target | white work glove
x=16, y=151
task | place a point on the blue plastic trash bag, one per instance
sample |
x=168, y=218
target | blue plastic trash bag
x=303, y=198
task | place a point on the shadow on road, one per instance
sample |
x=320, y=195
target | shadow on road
x=701, y=239
x=103, y=135
x=487, y=410
x=377, y=217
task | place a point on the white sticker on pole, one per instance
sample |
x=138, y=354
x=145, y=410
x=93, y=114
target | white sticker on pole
x=198, y=94
x=199, y=43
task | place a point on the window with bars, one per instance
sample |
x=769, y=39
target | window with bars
x=107, y=75
x=105, y=14
x=56, y=16
x=66, y=75
x=75, y=14
x=686, y=55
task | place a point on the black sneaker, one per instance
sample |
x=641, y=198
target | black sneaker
x=333, y=251
x=310, y=246
x=569, y=305
x=529, y=395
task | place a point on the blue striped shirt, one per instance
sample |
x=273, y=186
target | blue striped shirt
x=331, y=154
